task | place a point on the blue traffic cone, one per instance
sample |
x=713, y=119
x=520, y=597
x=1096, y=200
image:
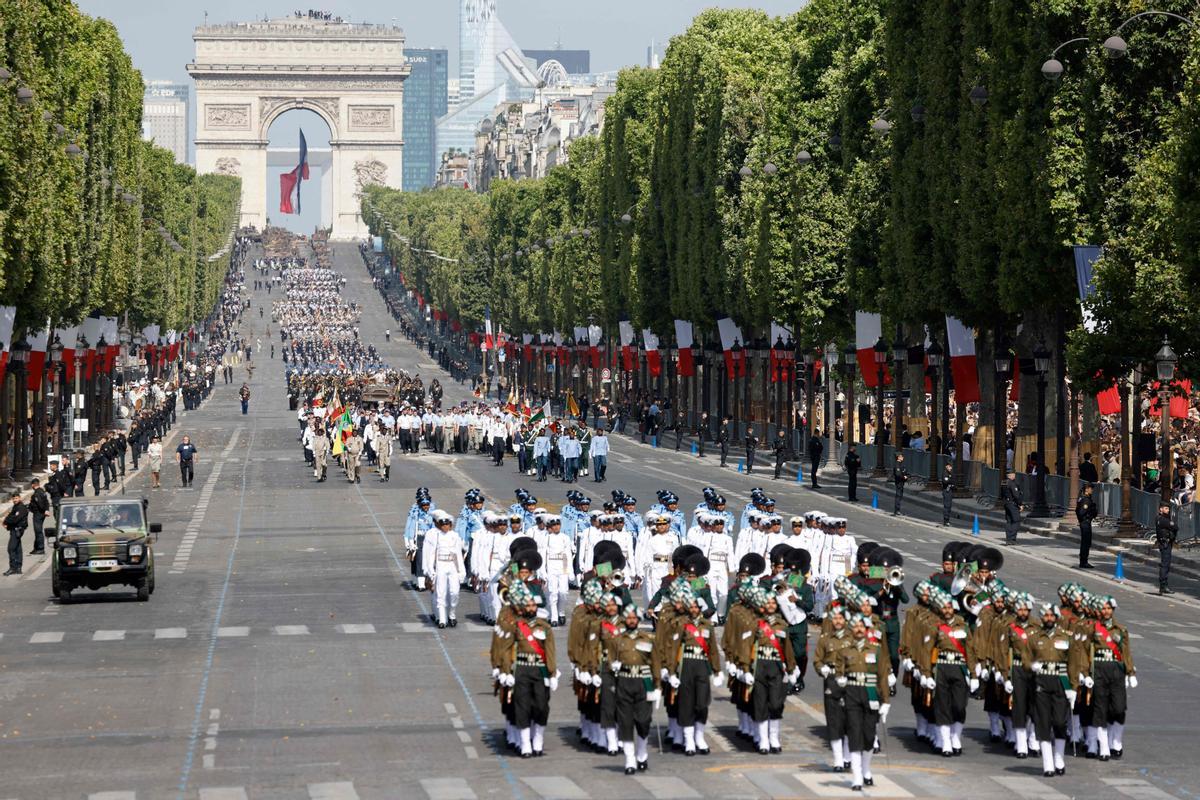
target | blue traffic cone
x=875, y=500
x=799, y=474
x=740, y=464
x=1119, y=571
x=975, y=526
x=694, y=449
x=656, y=440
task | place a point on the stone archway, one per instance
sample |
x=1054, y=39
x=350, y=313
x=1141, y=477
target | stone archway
x=352, y=75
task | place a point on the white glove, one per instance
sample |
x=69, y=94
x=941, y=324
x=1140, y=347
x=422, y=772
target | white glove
x=930, y=683
x=662, y=673
x=616, y=666
x=654, y=696
x=747, y=678
x=552, y=682
x=718, y=679
x=978, y=670
x=1071, y=697
x=916, y=676
x=891, y=681
x=731, y=668
x=1008, y=687
x=973, y=685
x=795, y=674
x=585, y=678
x=507, y=680
x=883, y=711
x=674, y=681
x=906, y=664
x=596, y=680
x=826, y=670
x=1131, y=681
x=841, y=680
x=1089, y=681
x=495, y=673
x=1037, y=665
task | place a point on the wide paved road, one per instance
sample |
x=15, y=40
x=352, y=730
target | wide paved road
x=283, y=657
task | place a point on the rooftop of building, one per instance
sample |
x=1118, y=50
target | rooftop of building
x=302, y=24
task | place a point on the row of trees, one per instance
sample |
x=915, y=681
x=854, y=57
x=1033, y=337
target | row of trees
x=92, y=218
x=901, y=156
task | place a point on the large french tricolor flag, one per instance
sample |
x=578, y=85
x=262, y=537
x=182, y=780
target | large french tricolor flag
x=289, y=182
x=685, y=338
x=625, y=327
x=735, y=364
x=867, y=329
x=653, y=357
x=963, y=364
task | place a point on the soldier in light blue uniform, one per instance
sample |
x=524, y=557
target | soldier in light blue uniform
x=758, y=502
x=420, y=520
x=525, y=508
x=541, y=453
x=633, y=520
x=704, y=505
x=668, y=503
x=470, y=520
x=715, y=504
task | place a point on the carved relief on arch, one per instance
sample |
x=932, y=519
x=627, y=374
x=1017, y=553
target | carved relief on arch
x=368, y=172
x=227, y=165
x=270, y=106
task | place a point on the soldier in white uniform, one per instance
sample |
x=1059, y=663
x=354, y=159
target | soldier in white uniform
x=652, y=561
x=717, y=546
x=443, y=563
x=481, y=550
x=751, y=538
x=558, y=556
x=841, y=550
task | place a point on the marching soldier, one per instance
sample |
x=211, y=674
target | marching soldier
x=443, y=562
x=1057, y=663
x=863, y=673
x=634, y=663
x=768, y=667
x=320, y=448
x=739, y=618
x=558, y=556
x=796, y=599
x=826, y=658
x=353, y=448
x=920, y=622
x=653, y=558
x=1112, y=671
x=1017, y=667
x=383, y=452
x=693, y=666
x=532, y=669
x=419, y=521
x=1010, y=496
x=953, y=658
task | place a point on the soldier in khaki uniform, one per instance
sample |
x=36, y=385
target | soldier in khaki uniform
x=863, y=672
x=920, y=622
x=320, y=448
x=528, y=667
x=739, y=619
x=693, y=666
x=633, y=661
x=768, y=666
x=825, y=662
x=1058, y=659
x=383, y=452
x=954, y=659
x=1015, y=665
x=1112, y=671
x=353, y=450
x=581, y=652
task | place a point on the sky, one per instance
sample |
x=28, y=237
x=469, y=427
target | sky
x=157, y=34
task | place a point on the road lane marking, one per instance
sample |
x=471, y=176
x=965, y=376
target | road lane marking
x=235, y=630
x=108, y=636
x=47, y=637
x=556, y=787
x=447, y=789
x=1028, y=788
x=341, y=790
x=290, y=630
x=364, y=628
x=170, y=633
x=113, y=796
x=667, y=788
x=1137, y=789
x=223, y=793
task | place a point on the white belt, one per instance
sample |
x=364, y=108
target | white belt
x=447, y=557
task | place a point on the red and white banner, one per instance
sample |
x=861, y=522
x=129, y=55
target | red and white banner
x=735, y=366
x=527, y=346
x=595, y=338
x=625, y=328
x=488, y=341
x=782, y=357
x=36, y=367
x=8, y=315
x=685, y=340
x=67, y=337
x=963, y=364
x=653, y=357
x=1181, y=392
x=112, y=343
x=93, y=328
x=1109, y=401
x=867, y=329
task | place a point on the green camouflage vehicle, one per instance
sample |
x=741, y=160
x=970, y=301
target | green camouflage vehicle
x=101, y=542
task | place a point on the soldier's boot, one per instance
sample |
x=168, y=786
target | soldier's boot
x=773, y=733
x=1102, y=740
x=1060, y=751
x=539, y=739
x=1022, y=743
x=763, y=737
x=1093, y=745
x=689, y=740
x=643, y=753
x=610, y=741
x=1031, y=734
x=526, y=743
x=868, y=778
x=701, y=744
x=846, y=751
x=856, y=770
x=944, y=738
x=630, y=758
x=1047, y=760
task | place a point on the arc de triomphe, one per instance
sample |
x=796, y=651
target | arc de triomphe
x=352, y=75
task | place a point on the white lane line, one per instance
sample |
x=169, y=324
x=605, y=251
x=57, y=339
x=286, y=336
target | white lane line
x=667, y=788
x=290, y=630
x=1137, y=789
x=447, y=789
x=47, y=637
x=233, y=630
x=357, y=628
x=113, y=796
x=1187, y=648
x=184, y=554
x=224, y=793
x=1028, y=788
x=342, y=790
x=1182, y=637
x=556, y=787
x=108, y=636
x=170, y=633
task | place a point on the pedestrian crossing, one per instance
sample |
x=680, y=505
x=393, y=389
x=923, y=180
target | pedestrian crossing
x=768, y=782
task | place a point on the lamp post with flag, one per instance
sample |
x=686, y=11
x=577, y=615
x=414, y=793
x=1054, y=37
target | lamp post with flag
x=1165, y=361
x=880, y=351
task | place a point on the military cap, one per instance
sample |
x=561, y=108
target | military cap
x=697, y=565
x=521, y=543
x=864, y=551
x=682, y=553
x=798, y=560
x=779, y=553
x=529, y=559
x=440, y=516
x=990, y=559
x=752, y=563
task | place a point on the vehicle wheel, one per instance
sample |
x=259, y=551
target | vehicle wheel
x=143, y=590
x=64, y=594
x=55, y=585
x=150, y=576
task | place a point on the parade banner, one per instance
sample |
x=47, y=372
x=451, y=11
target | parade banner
x=1181, y=392
x=653, y=357
x=867, y=330
x=782, y=356
x=596, y=338
x=37, y=359
x=488, y=341
x=1109, y=401
x=626, y=329
x=963, y=364
x=112, y=343
x=68, y=337
x=685, y=340
x=93, y=327
x=8, y=315
x=1086, y=256
x=730, y=333
x=527, y=346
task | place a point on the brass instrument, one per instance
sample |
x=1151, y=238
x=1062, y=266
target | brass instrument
x=966, y=587
x=894, y=576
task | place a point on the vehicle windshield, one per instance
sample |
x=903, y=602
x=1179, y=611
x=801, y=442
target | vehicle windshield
x=126, y=517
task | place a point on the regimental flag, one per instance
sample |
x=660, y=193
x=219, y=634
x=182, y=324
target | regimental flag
x=595, y=335
x=572, y=406
x=514, y=402
x=684, y=338
x=963, y=363
x=653, y=357
x=541, y=415
x=488, y=341
x=289, y=182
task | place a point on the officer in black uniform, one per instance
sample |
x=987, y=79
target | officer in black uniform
x=96, y=463
x=723, y=439
x=815, y=449
x=1085, y=512
x=852, y=463
x=1010, y=495
x=751, y=448
x=899, y=477
x=781, y=451
x=1165, y=533
x=947, y=493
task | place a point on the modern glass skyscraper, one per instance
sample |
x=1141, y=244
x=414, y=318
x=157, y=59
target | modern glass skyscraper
x=165, y=117
x=425, y=100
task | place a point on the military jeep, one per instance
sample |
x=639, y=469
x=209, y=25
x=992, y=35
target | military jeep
x=103, y=542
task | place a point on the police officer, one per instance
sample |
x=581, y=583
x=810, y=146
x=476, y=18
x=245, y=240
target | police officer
x=781, y=451
x=947, y=493
x=815, y=450
x=1010, y=495
x=1165, y=533
x=899, y=477
x=852, y=463
x=723, y=439
x=751, y=448
x=1085, y=512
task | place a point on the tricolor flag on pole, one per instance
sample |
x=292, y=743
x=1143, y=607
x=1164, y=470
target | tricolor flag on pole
x=290, y=181
x=731, y=333
x=963, y=364
x=541, y=416
x=653, y=357
x=36, y=367
x=595, y=337
x=867, y=330
x=8, y=315
x=683, y=337
x=68, y=337
x=625, y=327
x=488, y=341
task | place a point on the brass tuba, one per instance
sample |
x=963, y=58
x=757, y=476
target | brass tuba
x=966, y=587
x=894, y=576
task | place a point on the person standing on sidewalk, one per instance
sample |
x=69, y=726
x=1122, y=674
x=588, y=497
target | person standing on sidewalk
x=899, y=477
x=782, y=452
x=723, y=439
x=852, y=464
x=1010, y=495
x=702, y=433
x=17, y=520
x=599, y=452
x=815, y=450
x=185, y=455
x=1165, y=533
x=1085, y=512
x=39, y=508
x=947, y=494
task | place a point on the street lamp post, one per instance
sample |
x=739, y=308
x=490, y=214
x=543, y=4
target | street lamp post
x=789, y=376
x=848, y=365
x=810, y=387
x=779, y=354
x=19, y=355
x=831, y=361
x=737, y=411
x=1165, y=361
x=933, y=354
x=900, y=356
x=881, y=353
x=81, y=346
x=55, y=413
x=1003, y=365
x=1041, y=362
